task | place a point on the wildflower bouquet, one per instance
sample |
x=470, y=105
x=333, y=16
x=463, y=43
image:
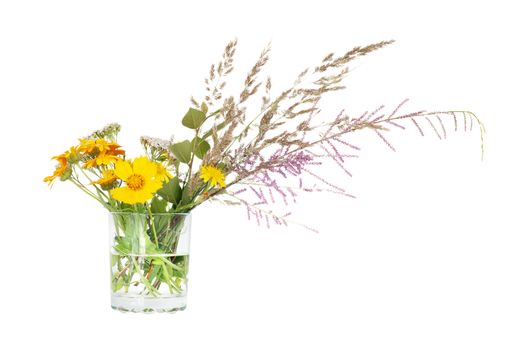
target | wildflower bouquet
x=271, y=153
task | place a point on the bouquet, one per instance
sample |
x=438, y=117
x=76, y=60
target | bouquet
x=236, y=153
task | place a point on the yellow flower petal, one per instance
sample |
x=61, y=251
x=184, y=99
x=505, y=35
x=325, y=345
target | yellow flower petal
x=212, y=175
x=162, y=174
x=90, y=163
x=102, y=145
x=152, y=186
x=123, y=170
x=129, y=196
x=87, y=145
x=108, y=177
x=105, y=159
x=144, y=167
x=124, y=194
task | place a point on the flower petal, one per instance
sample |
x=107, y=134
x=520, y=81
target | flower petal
x=151, y=186
x=142, y=196
x=125, y=194
x=144, y=167
x=120, y=194
x=123, y=170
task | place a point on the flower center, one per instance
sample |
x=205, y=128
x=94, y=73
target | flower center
x=135, y=182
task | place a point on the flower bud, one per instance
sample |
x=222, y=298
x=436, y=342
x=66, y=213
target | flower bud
x=66, y=174
x=110, y=186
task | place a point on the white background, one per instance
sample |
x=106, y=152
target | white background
x=427, y=257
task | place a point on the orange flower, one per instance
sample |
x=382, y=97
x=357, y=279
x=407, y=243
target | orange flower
x=103, y=158
x=100, y=146
x=101, y=151
x=62, y=167
x=114, y=149
x=87, y=146
x=108, y=178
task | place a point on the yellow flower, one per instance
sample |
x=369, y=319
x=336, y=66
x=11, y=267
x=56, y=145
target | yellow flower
x=162, y=174
x=140, y=178
x=90, y=163
x=98, y=146
x=72, y=154
x=62, y=169
x=212, y=175
x=107, y=179
x=111, y=148
x=103, y=152
x=102, y=145
x=87, y=146
x=114, y=149
x=102, y=158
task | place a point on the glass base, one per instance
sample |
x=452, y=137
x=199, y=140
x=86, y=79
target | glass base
x=148, y=304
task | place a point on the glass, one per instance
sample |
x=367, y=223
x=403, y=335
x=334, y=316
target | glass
x=149, y=256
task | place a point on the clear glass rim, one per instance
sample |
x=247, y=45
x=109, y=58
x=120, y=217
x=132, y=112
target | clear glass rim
x=147, y=214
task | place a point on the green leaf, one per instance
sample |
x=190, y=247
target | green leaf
x=123, y=245
x=150, y=247
x=157, y=262
x=200, y=147
x=182, y=151
x=193, y=118
x=158, y=205
x=161, y=222
x=171, y=191
x=118, y=284
x=165, y=274
x=122, y=249
x=155, y=271
x=114, y=259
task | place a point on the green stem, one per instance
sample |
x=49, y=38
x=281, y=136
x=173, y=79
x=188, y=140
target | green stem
x=187, y=206
x=170, y=263
x=98, y=190
x=189, y=173
x=83, y=188
x=120, y=273
x=130, y=274
x=153, y=226
x=144, y=280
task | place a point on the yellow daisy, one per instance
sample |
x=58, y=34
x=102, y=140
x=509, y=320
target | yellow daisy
x=212, y=175
x=162, y=173
x=140, y=178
